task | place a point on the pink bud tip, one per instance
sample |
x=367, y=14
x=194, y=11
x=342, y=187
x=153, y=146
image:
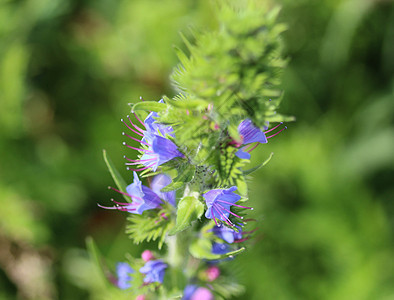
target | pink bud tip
x=147, y=255
x=140, y=297
x=213, y=272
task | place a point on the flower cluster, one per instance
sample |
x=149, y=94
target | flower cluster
x=191, y=152
x=156, y=149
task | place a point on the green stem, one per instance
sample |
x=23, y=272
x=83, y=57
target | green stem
x=174, y=256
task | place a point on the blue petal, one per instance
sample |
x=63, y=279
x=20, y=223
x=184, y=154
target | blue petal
x=211, y=196
x=123, y=271
x=160, y=181
x=242, y=154
x=219, y=248
x=154, y=270
x=251, y=133
x=227, y=234
x=189, y=291
x=165, y=148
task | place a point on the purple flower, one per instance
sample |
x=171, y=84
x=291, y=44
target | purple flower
x=220, y=248
x=144, y=198
x=160, y=181
x=154, y=127
x=123, y=271
x=156, y=148
x=194, y=292
x=154, y=271
x=251, y=134
x=219, y=202
x=160, y=151
x=227, y=234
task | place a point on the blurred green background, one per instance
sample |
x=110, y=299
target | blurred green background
x=324, y=203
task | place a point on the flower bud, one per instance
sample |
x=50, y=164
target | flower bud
x=147, y=255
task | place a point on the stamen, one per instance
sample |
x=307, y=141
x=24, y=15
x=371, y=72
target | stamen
x=251, y=208
x=251, y=231
x=273, y=127
x=138, y=149
x=135, y=126
x=268, y=137
x=135, y=115
x=222, y=215
x=120, y=192
x=106, y=207
x=254, y=147
x=117, y=207
x=135, y=160
x=120, y=203
x=140, y=169
x=229, y=211
x=140, y=163
x=241, y=240
x=213, y=217
x=131, y=128
x=137, y=140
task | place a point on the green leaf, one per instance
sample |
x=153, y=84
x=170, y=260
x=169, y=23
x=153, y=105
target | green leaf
x=149, y=226
x=119, y=181
x=233, y=132
x=95, y=256
x=189, y=104
x=202, y=249
x=251, y=170
x=148, y=106
x=185, y=174
x=189, y=209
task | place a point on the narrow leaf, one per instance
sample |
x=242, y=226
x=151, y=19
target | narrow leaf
x=202, y=249
x=148, y=106
x=251, y=170
x=95, y=256
x=119, y=181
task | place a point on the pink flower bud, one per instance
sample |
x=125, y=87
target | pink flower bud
x=213, y=272
x=147, y=255
x=140, y=297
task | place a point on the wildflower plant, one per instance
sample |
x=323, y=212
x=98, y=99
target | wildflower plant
x=187, y=158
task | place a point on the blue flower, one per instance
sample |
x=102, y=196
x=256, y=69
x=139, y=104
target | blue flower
x=251, y=134
x=219, y=202
x=227, y=234
x=160, y=151
x=156, y=148
x=194, y=292
x=123, y=271
x=154, y=127
x=154, y=271
x=144, y=198
x=160, y=181
x=220, y=248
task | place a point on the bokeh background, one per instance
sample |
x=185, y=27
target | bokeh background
x=324, y=204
